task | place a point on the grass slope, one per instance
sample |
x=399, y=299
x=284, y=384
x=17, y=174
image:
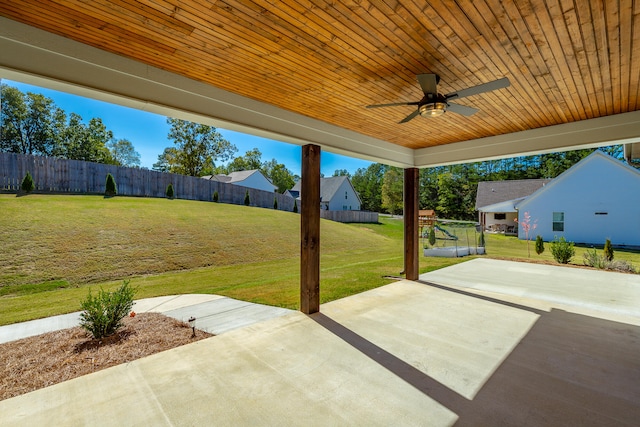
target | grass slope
x=54, y=247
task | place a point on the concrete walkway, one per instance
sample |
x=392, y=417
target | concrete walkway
x=214, y=314
x=405, y=354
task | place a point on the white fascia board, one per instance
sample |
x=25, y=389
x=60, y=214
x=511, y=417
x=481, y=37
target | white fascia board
x=599, y=132
x=506, y=206
x=37, y=57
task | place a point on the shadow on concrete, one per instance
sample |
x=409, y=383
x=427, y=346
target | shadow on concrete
x=569, y=370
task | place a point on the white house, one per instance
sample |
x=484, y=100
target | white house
x=251, y=179
x=496, y=202
x=596, y=199
x=336, y=194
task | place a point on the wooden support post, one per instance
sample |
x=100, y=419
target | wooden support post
x=411, y=238
x=310, y=230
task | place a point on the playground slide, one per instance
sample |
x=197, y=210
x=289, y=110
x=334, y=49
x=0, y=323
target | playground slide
x=446, y=233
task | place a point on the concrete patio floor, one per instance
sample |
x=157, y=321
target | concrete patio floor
x=409, y=353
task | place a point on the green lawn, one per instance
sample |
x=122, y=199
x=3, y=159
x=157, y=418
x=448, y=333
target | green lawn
x=55, y=247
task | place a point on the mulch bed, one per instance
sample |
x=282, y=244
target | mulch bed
x=36, y=362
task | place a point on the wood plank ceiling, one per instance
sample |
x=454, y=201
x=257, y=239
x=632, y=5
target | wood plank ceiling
x=567, y=60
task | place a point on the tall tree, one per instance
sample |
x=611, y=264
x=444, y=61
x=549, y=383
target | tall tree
x=251, y=160
x=392, y=190
x=279, y=175
x=368, y=183
x=27, y=122
x=166, y=160
x=341, y=172
x=124, y=153
x=197, y=147
x=85, y=142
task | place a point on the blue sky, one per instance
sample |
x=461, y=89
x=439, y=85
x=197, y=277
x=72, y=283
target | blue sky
x=148, y=132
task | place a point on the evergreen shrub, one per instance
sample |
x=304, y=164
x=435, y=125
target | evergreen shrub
x=170, y=192
x=432, y=236
x=216, y=196
x=247, y=200
x=539, y=245
x=275, y=203
x=608, y=250
x=27, y=183
x=111, y=189
x=295, y=206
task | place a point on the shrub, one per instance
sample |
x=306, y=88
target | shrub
x=592, y=259
x=170, y=192
x=111, y=189
x=481, y=241
x=216, y=196
x=275, y=203
x=27, y=183
x=539, y=245
x=432, y=236
x=562, y=250
x=608, y=250
x=102, y=315
x=295, y=206
x=247, y=200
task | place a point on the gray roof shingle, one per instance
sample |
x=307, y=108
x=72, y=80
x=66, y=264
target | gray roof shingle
x=492, y=192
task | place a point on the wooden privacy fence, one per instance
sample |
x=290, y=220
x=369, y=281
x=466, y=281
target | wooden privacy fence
x=350, y=216
x=55, y=175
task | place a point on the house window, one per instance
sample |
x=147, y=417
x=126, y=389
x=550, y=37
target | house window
x=345, y=195
x=602, y=213
x=344, y=207
x=558, y=221
x=500, y=216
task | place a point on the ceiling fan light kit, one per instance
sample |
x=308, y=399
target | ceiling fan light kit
x=433, y=109
x=434, y=104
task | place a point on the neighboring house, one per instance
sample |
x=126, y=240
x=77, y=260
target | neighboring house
x=251, y=179
x=596, y=199
x=336, y=194
x=496, y=202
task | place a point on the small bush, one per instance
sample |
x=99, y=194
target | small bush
x=539, y=245
x=27, y=183
x=295, y=206
x=608, y=250
x=592, y=259
x=481, y=241
x=170, y=192
x=216, y=196
x=275, y=203
x=247, y=200
x=562, y=250
x=111, y=189
x=102, y=315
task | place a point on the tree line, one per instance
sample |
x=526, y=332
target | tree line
x=451, y=190
x=31, y=123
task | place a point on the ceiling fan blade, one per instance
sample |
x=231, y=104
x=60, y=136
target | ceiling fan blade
x=395, y=104
x=481, y=88
x=410, y=116
x=428, y=83
x=462, y=109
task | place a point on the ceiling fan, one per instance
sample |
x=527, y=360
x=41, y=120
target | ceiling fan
x=434, y=104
